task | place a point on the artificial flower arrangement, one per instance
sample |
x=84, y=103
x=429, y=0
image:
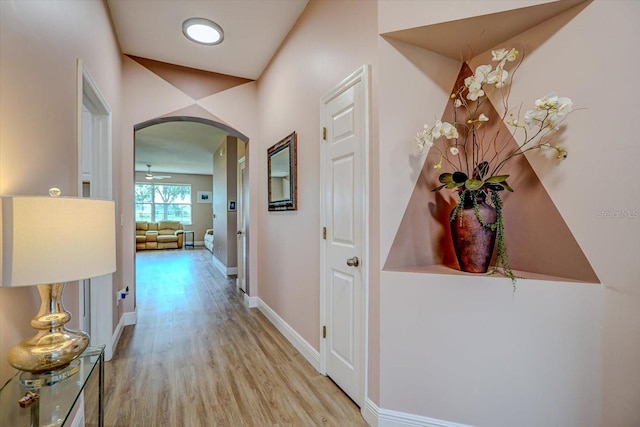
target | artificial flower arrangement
x=474, y=160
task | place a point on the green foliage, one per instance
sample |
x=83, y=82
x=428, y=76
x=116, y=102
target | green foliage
x=143, y=193
x=171, y=193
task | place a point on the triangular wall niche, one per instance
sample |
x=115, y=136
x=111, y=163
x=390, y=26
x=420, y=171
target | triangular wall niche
x=538, y=239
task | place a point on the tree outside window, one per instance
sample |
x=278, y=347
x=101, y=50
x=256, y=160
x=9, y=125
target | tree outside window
x=163, y=202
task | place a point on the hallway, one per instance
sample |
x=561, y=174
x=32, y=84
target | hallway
x=198, y=357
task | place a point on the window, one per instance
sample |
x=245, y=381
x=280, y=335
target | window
x=163, y=202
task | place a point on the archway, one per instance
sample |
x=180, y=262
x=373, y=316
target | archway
x=180, y=146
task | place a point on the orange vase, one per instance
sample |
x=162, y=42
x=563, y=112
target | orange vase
x=473, y=242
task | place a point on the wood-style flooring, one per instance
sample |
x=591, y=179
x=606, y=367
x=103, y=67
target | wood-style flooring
x=198, y=357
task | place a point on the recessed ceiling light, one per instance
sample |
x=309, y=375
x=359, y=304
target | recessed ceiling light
x=203, y=31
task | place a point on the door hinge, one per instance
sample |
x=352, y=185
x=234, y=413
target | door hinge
x=324, y=133
x=324, y=332
x=324, y=233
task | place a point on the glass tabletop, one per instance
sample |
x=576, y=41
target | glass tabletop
x=55, y=402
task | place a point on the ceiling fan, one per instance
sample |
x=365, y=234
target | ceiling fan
x=149, y=175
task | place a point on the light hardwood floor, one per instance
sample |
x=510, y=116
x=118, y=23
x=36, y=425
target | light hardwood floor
x=198, y=357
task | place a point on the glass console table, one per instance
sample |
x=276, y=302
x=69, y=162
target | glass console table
x=55, y=404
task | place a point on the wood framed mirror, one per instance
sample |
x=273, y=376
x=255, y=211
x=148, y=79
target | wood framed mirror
x=282, y=175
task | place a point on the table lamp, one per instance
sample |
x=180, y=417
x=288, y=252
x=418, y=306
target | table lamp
x=46, y=241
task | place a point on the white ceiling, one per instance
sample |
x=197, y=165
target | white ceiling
x=152, y=29
x=177, y=147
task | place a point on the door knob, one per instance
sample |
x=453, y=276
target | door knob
x=353, y=262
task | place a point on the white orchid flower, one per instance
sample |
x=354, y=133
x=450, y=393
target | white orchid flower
x=512, y=55
x=457, y=103
x=534, y=118
x=424, y=138
x=565, y=105
x=436, y=131
x=548, y=101
x=482, y=72
x=498, y=77
x=445, y=129
x=449, y=130
x=483, y=118
x=499, y=54
x=469, y=81
x=475, y=91
x=454, y=150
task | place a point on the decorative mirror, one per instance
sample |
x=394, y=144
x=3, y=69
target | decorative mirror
x=282, y=175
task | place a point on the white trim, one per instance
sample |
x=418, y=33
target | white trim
x=370, y=412
x=228, y=271
x=250, y=302
x=388, y=418
x=100, y=176
x=360, y=75
x=102, y=314
x=308, y=352
x=377, y=417
x=128, y=318
x=101, y=161
x=242, y=216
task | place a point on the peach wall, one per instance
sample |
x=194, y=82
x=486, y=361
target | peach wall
x=311, y=62
x=238, y=106
x=552, y=353
x=40, y=43
x=225, y=224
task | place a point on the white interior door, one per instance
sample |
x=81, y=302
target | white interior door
x=243, y=191
x=344, y=201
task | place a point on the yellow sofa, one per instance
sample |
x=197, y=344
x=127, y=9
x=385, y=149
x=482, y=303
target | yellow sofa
x=159, y=235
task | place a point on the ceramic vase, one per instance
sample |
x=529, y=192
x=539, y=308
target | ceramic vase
x=473, y=243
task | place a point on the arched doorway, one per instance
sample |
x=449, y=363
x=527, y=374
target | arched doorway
x=177, y=148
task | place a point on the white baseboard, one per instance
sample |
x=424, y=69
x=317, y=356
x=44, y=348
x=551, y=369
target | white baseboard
x=377, y=417
x=227, y=271
x=370, y=412
x=250, y=302
x=306, y=349
x=128, y=318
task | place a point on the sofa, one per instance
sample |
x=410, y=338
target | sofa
x=208, y=239
x=159, y=235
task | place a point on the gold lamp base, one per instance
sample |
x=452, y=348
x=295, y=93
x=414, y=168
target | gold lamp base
x=54, y=346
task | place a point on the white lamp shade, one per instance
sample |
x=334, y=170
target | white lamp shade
x=56, y=239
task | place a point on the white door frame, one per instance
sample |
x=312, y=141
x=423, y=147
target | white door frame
x=241, y=281
x=360, y=75
x=89, y=96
